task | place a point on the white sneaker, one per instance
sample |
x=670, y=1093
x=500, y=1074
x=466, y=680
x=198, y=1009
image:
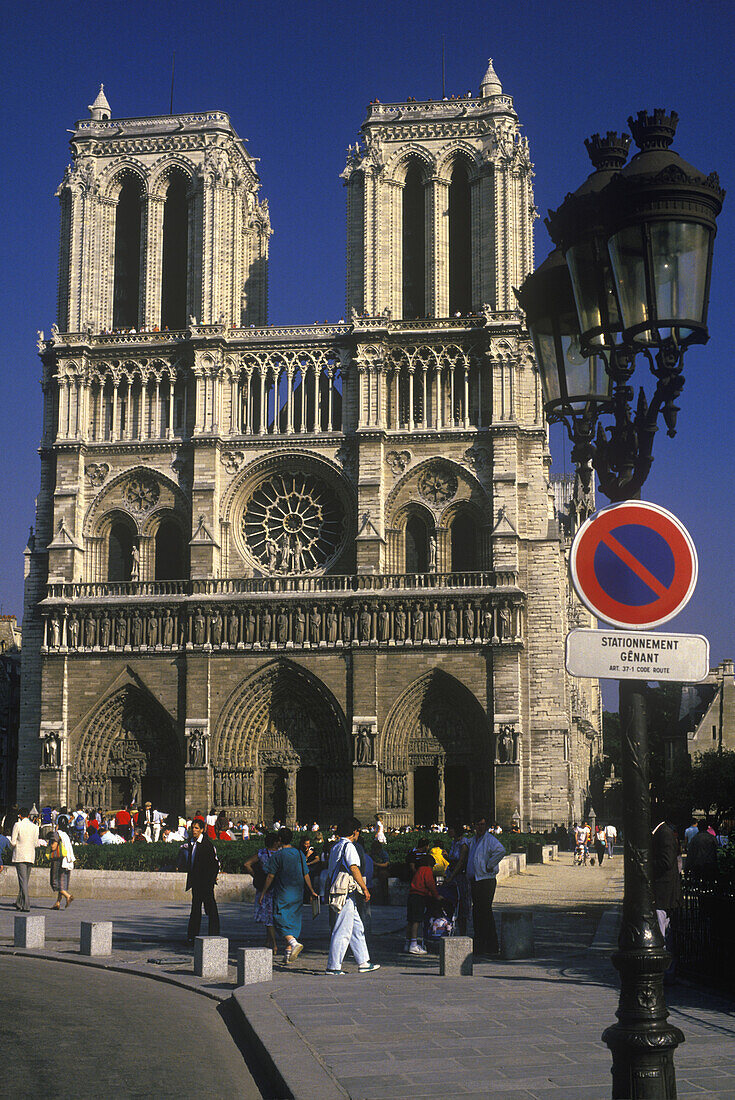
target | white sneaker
x=417, y=950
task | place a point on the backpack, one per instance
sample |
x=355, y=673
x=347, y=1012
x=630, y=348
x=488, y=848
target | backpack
x=341, y=886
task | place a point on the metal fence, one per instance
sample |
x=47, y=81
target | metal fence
x=704, y=930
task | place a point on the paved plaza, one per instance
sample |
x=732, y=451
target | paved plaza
x=514, y=1031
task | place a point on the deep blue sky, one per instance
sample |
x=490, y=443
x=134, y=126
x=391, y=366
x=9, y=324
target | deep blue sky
x=295, y=79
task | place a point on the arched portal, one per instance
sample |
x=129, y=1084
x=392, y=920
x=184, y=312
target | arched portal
x=417, y=545
x=170, y=557
x=120, y=552
x=464, y=542
x=129, y=752
x=460, y=241
x=175, y=254
x=126, y=292
x=435, y=755
x=281, y=751
x=414, y=243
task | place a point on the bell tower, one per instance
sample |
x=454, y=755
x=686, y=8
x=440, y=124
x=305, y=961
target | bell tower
x=160, y=222
x=439, y=206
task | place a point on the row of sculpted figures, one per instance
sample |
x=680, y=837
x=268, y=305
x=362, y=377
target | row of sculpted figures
x=441, y=622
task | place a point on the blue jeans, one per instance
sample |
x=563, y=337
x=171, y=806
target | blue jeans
x=348, y=931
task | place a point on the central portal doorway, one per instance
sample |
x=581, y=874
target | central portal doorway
x=425, y=795
x=274, y=795
x=307, y=795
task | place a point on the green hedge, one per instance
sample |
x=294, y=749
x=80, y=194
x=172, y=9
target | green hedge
x=233, y=853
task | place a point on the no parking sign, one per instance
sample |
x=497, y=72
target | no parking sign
x=634, y=564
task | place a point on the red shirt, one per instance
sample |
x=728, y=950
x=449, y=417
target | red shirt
x=122, y=817
x=423, y=883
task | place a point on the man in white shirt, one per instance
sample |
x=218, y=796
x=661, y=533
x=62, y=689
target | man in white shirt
x=483, y=861
x=348, y=928
x=611, y=835
x=108, y=837
x=25, y=840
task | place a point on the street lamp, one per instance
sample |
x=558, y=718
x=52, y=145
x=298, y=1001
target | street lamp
x=634, y=247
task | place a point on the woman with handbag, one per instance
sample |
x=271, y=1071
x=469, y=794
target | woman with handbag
x=61, y=854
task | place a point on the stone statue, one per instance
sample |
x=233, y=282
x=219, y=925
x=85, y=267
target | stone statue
x=152, y=629
x=90, y=631
x=271, y=549
x=282, y=627
x=135, y=566
x=315, y=626
x=365, y=624
x=299, y=627
x=55, y=632
x=73, y=632
x=250, y=627
x=104, y=632
x=297, y=556
x=505, y=623
x=137, y=630
x=399, y=623
x=432, y=553
x=435, y=623
x=364, y=746
x=168, y=630
x=199, y=627
x=383, y=623
x=468, y=616
x=233, y=627
x=285, y=548
x=331, y=625
x=50, y=752
x=347, y=625
x=121, y=631
x=215, y=626
x=487, y=624
x=417, y=624
x=196, y=749
x=452, y=623
x=265, y=627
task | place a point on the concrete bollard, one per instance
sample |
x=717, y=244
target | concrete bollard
x=254, y=964
x=516, y=934
x=455, y=956
x=210, y=956
x=29, y=932
x=95, y=937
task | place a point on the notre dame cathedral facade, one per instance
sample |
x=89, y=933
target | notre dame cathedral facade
x=295, y=571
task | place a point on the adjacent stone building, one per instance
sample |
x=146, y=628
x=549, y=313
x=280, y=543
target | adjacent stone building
x=10, y=641
x=300, y=570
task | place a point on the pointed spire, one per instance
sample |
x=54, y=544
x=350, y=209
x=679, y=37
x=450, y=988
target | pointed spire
x=100, y=109
x=490, y=86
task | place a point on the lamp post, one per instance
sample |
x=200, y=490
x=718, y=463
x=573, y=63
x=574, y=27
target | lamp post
x=629, y=276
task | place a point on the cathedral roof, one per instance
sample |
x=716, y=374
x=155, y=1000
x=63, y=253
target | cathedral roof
x=100, y=103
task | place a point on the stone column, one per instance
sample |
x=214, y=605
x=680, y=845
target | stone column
x=440, y=198
x=153, y=273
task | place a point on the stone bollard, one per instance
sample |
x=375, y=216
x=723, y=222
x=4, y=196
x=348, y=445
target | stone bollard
x=455, y=956
x=254, y=964
x=29, y=932
x=516, y=934
x=210, y=956
x=95, y=937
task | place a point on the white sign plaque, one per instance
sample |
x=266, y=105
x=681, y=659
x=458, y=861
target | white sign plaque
x=637, y=655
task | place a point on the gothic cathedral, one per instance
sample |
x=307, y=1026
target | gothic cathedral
x=299, y=571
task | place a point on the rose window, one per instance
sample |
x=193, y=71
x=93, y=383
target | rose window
x=293, y=523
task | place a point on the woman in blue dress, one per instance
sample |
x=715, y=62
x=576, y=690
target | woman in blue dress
x=287, y=875
x=258, y=866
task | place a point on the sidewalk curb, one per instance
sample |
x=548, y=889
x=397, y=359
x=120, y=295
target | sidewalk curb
x=606, y=937
x=294, y=1074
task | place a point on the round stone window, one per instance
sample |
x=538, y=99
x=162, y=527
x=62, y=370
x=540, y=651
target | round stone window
x=293, y=522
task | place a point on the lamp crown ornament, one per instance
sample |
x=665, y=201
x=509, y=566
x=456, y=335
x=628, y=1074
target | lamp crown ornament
x=655, y=130
x=608, y=153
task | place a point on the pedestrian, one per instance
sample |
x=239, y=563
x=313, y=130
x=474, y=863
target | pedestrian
x=287, y=874
x=420, y=892
x=62, y=863
x=666, y=878
x=25, y=840
x=483, y=861
x=600, y=846
x=702, y=854
x=611, y=835
x=202, y=868
x=258, y=866
x=381, y=869
x=457, y=875
x=344, y=877
x=313, y=864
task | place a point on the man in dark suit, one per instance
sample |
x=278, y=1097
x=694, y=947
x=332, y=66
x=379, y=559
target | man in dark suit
x=202, y=868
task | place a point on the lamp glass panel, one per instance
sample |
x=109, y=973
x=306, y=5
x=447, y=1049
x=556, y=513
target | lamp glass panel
x=680, y=252
x=543, y=343
x=627, y=256
x=591, y=275
x=587, y=380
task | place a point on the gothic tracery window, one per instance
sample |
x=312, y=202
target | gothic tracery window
x=126, y=292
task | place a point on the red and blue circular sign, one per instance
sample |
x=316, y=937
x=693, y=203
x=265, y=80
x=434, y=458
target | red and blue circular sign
x=634, y=564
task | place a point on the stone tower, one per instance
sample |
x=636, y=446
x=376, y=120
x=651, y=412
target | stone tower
x=298, y=571
x=439, y=206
